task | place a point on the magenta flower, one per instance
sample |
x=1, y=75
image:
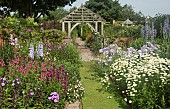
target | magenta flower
x=29, y=30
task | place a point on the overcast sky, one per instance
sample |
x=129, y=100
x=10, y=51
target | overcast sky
x=147, y=7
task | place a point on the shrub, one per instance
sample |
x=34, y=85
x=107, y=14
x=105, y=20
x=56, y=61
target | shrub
x=141, y=80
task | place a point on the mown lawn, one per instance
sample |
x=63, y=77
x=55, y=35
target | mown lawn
x=94, y=98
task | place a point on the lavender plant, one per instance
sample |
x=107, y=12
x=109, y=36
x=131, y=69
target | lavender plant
x=146, y=29
x=166, y=29
x=110, y=53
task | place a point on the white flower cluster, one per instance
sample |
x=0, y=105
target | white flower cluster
x=136, y=71
x=75, y=91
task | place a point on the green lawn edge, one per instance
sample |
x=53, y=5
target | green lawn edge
x=94, y=98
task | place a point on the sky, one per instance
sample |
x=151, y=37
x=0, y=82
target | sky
x=147, y=7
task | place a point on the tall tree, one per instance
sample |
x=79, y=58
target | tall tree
x=108, y=9
x=127, y=12
x=58, y=13
x=34, y=8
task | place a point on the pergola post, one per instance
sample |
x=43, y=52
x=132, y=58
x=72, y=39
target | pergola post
x=102, y=28
x=102, y=34
x=63, y=27
x=69, y=29
x=81, y=30
x=96, y=26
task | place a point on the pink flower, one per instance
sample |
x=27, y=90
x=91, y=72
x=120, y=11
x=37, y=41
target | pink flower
x=29, y=30
x=2, y=84
x=43, y=76
x=31, y=93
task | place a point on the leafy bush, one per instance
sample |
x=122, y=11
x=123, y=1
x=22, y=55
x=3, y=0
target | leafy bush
x=164, y=47
x=138, y=43
x=113, y=32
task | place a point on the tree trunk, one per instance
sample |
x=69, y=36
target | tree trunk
x=30, y=8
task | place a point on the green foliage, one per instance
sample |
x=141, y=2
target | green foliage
x=68, y=53
x=108, y=9
x=113, y=32
x=58, y=14
x=138, y=43
x=158, y=21
x=100, y=99
x=86, y=31
x=35, y=8
x=164, y=47
x=112, y=10
x=51, y=24
x=7, y=52
x=95, y=47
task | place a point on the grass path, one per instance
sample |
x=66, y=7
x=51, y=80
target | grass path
x=94, y=98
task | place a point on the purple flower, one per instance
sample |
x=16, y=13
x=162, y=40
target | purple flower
x=54, y=96
x=146, y=28
x=59, y=47
x=56, y=100
x=50, y=98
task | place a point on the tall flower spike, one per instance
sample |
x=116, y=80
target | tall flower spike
x=40, y=49
x=146, y=29
x=31, y=51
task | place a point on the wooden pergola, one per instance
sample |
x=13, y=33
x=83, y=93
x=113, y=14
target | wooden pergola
x=83, y=15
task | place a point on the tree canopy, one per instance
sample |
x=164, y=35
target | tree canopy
x=112, y=10
x=34, y=8
x=108, y=9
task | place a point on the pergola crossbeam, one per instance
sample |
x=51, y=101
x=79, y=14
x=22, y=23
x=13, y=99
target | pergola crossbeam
x=83, y=15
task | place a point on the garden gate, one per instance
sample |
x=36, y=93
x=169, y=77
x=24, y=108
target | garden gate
x=83, y=15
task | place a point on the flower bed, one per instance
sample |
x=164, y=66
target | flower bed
x=143, y=81
x=37, y=70
x=140, y=77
